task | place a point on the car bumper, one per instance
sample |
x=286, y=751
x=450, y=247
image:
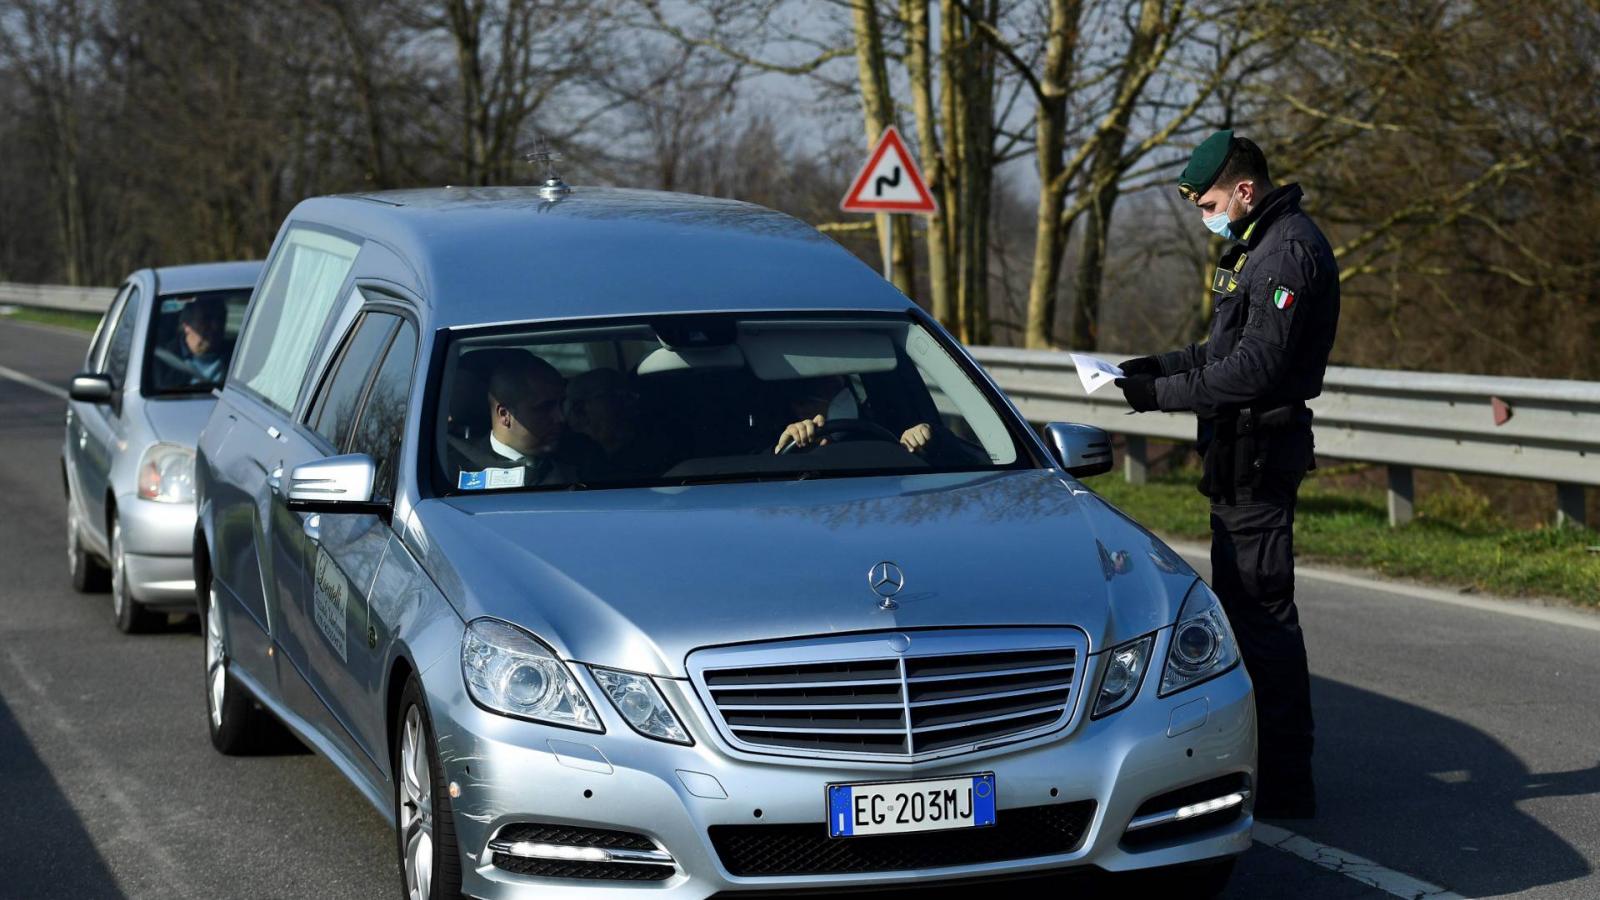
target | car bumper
x=510, y=771
x=158, y=540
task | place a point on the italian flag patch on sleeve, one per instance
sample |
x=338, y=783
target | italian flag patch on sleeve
x=1283, y=298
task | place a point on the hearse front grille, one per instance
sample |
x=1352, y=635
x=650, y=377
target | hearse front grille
x=906, y=705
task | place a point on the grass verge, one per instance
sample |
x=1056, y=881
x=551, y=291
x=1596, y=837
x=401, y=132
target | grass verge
x=1457, y=539
x=59, y=318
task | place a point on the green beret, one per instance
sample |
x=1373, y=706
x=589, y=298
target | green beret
x=1205, y=163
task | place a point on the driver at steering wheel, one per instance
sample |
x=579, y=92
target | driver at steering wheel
x=816, y=400
x=200, y=350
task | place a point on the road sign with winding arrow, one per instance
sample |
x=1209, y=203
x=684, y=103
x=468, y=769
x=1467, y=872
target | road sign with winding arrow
x=889, y=182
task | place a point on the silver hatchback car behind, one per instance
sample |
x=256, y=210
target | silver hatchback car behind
x=133, y=419
x=624, y=544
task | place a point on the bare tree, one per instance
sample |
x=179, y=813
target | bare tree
x=48, y=47
x=514, y=58
x=1097, y=121
x=1444, y=147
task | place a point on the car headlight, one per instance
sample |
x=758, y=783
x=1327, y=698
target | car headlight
x=1202, y=642
x=636, y=697
x=509, y=671
x=166, y=474
x=1124, y=671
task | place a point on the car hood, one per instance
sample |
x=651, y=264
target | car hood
x=639, y=578
x=178, y=419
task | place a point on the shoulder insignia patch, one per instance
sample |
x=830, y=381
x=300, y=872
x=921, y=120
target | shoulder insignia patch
x=1219, y=280
x=1283, y=298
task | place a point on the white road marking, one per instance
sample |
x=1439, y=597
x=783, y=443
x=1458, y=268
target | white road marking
x=30, y=381
x=98, y=779
x=1349, y=865
x=1506, y=606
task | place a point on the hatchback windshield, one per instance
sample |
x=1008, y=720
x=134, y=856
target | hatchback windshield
x=702, y=398
x=191, y=341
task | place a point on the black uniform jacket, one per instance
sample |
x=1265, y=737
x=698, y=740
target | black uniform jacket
x=1276, y=313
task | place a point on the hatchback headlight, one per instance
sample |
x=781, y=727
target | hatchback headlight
x=1202, y=643
x=1124, y=671
x=166, y=474
x=511, y=672
x=636, y=697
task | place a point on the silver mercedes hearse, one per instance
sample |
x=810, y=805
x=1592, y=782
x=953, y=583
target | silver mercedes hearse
x=617, y=543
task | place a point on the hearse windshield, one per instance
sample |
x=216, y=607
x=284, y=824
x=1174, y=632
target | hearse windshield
x=707, y=398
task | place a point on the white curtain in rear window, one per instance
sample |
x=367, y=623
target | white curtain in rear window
x=303, y=284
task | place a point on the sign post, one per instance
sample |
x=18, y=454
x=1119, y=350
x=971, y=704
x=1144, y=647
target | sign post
x=889, y=183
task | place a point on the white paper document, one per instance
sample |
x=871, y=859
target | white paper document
x=1095, y=373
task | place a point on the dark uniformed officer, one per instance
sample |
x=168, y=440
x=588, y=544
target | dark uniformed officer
x=1277, y=307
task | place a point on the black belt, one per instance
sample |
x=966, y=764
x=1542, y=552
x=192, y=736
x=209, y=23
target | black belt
x=1272, y=418
x=1236, y=453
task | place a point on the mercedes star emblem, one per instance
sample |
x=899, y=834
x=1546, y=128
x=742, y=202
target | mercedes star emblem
x=886, y=580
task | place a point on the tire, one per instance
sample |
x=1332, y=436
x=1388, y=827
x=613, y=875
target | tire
x=239, y=727
x=89, y=575
x=425, y=836
x=130, y=615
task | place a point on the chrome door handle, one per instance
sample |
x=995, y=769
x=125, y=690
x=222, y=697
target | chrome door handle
x=312, y=526
x=275, y=479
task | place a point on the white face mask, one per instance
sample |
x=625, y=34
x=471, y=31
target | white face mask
x=1218, y=222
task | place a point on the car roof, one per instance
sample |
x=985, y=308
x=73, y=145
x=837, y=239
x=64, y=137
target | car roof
x=484, y=255
x=206, y=277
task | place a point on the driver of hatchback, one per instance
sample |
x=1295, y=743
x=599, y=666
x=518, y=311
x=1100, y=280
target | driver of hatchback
x=815, y=401
x=199, y=350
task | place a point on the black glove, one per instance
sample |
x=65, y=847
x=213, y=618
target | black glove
x=1140, y=392
x=1142, y=365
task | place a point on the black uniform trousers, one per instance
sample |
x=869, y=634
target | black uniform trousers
x=1252, y=571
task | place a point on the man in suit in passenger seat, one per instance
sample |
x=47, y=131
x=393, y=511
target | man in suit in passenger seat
x=527, y=426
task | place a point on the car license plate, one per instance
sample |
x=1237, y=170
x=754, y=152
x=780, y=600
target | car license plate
x=900, y=807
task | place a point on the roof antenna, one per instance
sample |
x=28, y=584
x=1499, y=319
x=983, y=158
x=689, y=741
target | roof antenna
x=553, y=187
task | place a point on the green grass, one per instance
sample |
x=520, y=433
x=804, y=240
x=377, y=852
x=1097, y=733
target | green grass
x=60, y=318
x=1455, y=540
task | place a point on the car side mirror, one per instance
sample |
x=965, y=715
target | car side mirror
x=1083, y=450
x=88, y=387
x=336, y=484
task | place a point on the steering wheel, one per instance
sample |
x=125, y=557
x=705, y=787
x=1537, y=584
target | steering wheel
x=842, y=428
x=174, y=360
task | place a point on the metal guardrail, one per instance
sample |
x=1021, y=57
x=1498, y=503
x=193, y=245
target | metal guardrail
x=57, y=296
x=1402, y=420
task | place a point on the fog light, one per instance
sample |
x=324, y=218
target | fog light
x=1209, y=806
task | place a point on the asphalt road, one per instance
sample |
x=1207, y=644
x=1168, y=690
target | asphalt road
x=1457, y=746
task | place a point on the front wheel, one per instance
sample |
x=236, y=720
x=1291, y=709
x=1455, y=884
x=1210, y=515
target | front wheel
x=430, y=864
x=238, y=726
x=130, y=614
x=89, y=574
